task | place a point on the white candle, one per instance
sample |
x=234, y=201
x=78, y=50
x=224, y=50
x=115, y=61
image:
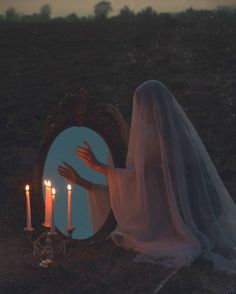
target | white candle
x=48, y=204
x=28, y=209
x=69, y=208
x=52, y=211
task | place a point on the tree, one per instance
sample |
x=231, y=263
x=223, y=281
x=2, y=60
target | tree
x=126, y=12
x=102, y=9
x=71, y=17
x=147, y=12
x=45, y=12
x=225, y=10
x=11, y=15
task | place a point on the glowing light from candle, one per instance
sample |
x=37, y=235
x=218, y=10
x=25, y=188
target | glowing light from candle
x=48, y=204
x=52, y=212
x=53, y=192
x=47, y=183
x=69, y=208
x=28, y=209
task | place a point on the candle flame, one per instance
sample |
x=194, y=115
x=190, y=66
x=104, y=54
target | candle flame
x=47, y=183
x=53, y=191
x=69, y=188
x=27, y=187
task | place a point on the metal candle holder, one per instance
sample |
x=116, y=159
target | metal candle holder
x=70, y=232
x=49, y=246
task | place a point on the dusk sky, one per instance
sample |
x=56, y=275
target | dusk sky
x=85, y=7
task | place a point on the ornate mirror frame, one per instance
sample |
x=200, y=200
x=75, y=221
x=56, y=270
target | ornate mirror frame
x=83, y=111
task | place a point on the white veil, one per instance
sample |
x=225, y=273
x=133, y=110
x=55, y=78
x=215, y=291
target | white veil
x=99, y=202
x=170, y=203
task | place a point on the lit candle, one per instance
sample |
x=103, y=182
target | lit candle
x=48, y=204
x=69, y=208
x=52, y=211
x=28, y=209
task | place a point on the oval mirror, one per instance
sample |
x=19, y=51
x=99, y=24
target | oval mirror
x=88, y=214
x=78, y=118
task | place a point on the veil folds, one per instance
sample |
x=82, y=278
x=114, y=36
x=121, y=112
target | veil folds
x=170, y=203
x=99, y=205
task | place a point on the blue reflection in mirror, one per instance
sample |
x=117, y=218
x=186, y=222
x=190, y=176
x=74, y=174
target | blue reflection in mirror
x=63, y=149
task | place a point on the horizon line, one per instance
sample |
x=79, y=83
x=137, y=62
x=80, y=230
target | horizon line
x=89, y=14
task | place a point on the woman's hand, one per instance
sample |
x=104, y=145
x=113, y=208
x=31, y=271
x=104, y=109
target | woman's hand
x=69, y=173
x=87, y=156
x=123, y=126
x=114, y=111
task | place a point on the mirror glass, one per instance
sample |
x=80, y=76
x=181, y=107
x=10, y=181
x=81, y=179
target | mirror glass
x=89, y=209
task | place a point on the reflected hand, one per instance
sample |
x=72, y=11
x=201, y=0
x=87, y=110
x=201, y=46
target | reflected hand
x=69, y=173
x=87, y=156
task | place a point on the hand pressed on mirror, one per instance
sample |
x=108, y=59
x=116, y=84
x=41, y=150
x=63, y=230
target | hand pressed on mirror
x=69, y=173
x=114, y=111
x=123, y=126
x=86, y=154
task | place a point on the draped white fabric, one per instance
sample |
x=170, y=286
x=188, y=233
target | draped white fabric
x=170, y=203
x=99, y=202
x=99, y=205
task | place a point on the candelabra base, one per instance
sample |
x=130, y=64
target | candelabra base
x=48, y=247
x=28, y=229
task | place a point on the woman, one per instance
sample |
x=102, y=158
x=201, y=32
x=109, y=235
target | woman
x=170, y=204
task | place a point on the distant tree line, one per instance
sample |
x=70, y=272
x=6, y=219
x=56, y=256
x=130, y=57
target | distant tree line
x=102, y=11
x=11, y=15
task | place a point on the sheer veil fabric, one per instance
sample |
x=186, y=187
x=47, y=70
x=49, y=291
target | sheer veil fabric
x=99, y=205
x=170, y=203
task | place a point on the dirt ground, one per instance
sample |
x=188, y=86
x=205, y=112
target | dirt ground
x=102, y=268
